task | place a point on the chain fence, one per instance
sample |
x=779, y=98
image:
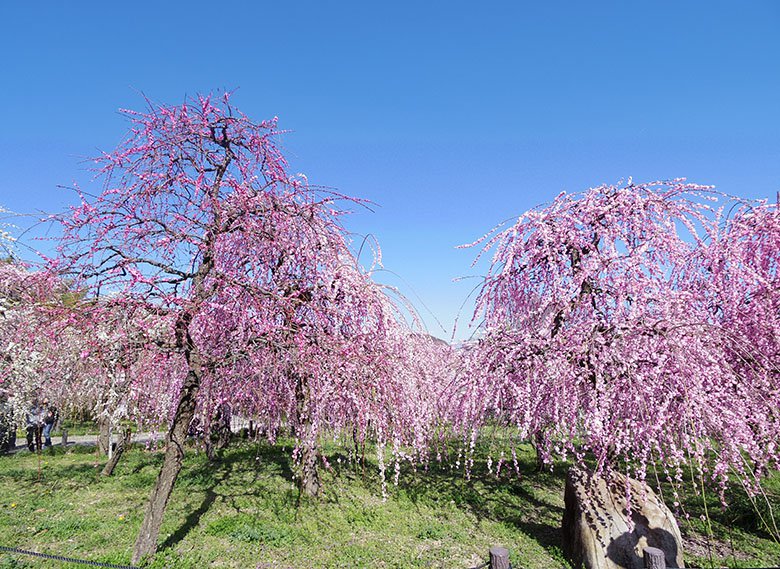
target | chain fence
x=64, y=559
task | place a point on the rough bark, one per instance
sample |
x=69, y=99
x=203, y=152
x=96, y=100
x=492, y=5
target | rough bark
x=146, y=544
x=309, y=478
x=499, y=558
x=538, y=445
x=104, y=436
x=123, y=443
x=222, y=427
x=219, y=433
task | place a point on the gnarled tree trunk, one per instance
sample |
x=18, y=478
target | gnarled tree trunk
x=123, y=443
x=218, y=437
x=309, y=478
x=104, y=436
x=538, y=444
x=146, y=544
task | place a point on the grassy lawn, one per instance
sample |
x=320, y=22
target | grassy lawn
x=244, y=512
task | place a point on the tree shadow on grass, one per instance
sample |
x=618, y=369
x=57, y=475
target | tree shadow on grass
x=84, y=473
x=511, y=499
x=193, y=518
x=517, y=501
x=213, y=474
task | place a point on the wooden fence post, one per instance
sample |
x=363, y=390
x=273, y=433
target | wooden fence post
x=654, y=558
x=499, y=558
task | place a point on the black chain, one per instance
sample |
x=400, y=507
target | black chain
x=66, y=559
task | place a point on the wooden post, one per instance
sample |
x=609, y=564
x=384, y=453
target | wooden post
x=499, y=558
x=64, y=437
x=654, y=558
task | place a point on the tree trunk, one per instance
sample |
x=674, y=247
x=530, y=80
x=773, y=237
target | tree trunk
x=104, y=436
x=223, y=430
x=538, y=447
x=146, y=544
x=309, y=478
x=219, y=432
x=123, y=443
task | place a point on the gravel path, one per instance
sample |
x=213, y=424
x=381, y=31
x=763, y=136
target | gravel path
x=236, y=424
x=87, y=440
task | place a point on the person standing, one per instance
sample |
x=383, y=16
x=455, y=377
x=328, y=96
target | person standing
x=49, y=420
x=34, y=426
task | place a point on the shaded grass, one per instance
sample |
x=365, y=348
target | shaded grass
x=244, y=511
x=731, y=536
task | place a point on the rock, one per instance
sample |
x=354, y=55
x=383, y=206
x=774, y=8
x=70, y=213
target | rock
x=596, y=530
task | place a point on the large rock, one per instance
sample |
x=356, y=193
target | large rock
x=596, y=530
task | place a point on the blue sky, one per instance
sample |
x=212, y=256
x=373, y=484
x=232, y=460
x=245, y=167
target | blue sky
x=449, y=116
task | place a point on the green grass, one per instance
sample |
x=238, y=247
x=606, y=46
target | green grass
x=244, y=512
x=733, y=536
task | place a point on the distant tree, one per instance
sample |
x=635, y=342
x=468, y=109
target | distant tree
x=117, y=362
x=7, y=239
x=599, y=335
x=26, y=297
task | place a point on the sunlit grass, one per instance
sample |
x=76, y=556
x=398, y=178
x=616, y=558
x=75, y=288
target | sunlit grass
x=244, y=511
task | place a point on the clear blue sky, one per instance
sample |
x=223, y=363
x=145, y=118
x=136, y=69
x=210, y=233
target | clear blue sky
x=450, y=116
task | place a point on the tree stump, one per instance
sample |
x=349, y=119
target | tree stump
x=499, y=558
x=654, y=558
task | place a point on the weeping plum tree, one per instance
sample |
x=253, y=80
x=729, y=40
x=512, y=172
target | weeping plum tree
x=89, y=357
x=199, y=217
x=600, y=334
x=323, y=365
x=26, y=297
x=351, y=368
x=112, y=357
x=740, y=278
